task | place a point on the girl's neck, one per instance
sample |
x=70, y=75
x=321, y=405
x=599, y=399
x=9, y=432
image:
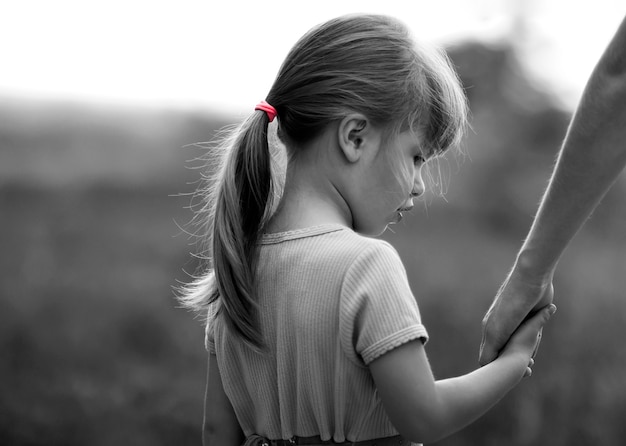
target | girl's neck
x=309, y=199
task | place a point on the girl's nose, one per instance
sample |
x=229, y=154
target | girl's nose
x=418, y=185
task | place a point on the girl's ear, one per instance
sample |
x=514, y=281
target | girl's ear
x=352, y=133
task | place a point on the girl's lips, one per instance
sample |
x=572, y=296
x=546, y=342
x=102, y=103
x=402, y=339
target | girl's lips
x=398, y=218
x=399, y=214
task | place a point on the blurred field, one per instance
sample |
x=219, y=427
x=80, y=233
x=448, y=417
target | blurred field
x=95, y=351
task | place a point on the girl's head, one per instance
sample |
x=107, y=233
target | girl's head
x=371, y=65
x=363, y=64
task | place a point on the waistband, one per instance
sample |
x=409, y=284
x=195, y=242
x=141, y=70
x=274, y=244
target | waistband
x=257, y=440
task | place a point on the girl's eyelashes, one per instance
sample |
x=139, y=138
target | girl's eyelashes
x=419, y=159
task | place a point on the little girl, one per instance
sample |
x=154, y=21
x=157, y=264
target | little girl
x=314, y=336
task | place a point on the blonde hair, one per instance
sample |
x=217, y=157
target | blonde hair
x=364, y=63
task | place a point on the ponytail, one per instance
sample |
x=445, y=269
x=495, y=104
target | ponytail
x=237, y=206
x=240, y=209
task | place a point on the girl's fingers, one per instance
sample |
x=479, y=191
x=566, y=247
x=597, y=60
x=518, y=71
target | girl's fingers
x=541, y=319
x=529, y=370
x=538, y=342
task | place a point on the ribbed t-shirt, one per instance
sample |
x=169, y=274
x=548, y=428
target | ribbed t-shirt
x=330, y=302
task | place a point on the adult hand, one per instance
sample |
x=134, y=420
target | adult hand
x=519, y=297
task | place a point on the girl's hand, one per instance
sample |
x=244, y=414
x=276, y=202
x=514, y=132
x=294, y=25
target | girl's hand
x=525, y=340
x=519, y=296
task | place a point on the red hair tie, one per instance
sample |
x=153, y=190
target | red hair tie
x=267, y=108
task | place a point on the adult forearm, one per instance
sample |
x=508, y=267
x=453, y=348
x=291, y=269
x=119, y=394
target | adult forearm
x=592, y=155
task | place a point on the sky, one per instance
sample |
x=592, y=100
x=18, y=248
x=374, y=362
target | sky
x=224, y=55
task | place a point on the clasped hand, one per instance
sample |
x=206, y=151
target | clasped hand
x=521, y=295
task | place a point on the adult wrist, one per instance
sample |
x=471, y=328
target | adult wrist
x=530, y=265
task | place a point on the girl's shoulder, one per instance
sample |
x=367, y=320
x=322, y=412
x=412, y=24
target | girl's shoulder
x=331, y=243
x=354, y=250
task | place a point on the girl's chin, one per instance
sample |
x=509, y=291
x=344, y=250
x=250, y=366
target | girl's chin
x=393, y=220
x=377, y=231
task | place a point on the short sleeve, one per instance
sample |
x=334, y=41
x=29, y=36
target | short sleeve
x=209, y=337
x=378, y=310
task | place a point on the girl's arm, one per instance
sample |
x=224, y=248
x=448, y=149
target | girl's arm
x=220, y=427
x=592, y=155
x=424, y=410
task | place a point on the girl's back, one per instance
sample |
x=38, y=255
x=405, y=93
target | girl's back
x=321, y=327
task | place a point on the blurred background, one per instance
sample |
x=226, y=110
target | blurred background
x=100, y=106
